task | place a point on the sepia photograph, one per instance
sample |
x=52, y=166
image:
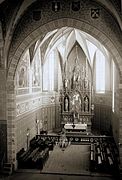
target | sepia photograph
x=60, y=89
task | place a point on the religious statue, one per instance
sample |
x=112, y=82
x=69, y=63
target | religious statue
x=76, y=101
x=86, y=104
x=66, y=104
x=66, y=83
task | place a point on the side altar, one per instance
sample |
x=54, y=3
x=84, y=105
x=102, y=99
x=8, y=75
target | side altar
x=77, y=108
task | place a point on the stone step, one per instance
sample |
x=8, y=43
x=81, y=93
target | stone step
x=7, y=169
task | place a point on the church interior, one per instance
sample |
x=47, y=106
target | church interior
x=61, y=89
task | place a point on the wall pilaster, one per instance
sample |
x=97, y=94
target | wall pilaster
x=3, y=120
x=120, y=124
x=11, y=123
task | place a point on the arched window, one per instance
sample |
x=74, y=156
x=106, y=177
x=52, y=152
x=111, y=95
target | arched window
x=48, y=73
x=100, y=72
x=91, y=48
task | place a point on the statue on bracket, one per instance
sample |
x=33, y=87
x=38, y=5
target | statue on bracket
x=86, y=104
x=66, y=83
x=66, y=103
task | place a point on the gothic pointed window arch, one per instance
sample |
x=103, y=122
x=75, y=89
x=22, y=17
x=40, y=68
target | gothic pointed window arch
x=48, y=73
x=100, y=72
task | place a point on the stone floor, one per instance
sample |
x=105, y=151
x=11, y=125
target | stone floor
x=37, y=176
x=71, y=164
x=73, y=160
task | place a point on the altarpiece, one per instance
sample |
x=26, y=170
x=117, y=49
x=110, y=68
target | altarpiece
x=77, y=108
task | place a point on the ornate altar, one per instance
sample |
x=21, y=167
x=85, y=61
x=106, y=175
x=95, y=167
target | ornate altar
x=76, y=96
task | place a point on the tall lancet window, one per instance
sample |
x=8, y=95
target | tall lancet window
x=45, y=75
x=100, y=72
x=48, y=73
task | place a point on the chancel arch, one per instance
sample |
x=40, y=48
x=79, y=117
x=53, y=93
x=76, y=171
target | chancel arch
x=40, y=32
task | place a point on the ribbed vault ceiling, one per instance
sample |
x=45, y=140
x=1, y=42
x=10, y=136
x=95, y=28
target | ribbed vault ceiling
x=64, y=40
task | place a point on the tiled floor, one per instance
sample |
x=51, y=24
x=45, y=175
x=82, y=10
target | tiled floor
x=75, y=160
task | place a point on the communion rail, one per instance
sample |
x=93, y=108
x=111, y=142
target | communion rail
x=78, y=138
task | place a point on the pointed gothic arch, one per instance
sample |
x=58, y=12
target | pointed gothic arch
x=28, y=41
